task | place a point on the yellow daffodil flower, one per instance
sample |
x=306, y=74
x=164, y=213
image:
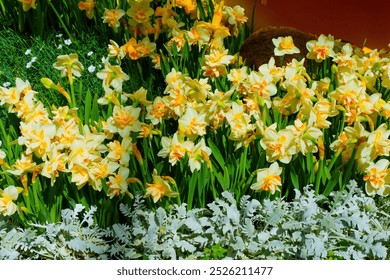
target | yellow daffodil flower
x=112, y=17
x=268, y=179
x=115, y=51
x=188, y=5
x=192, y=124
x=87, y=6
x=378, y=178
x=7, y=198
x=174, y=148
x=320, y=49
x=112, y=75
x=279, y=145
x=99, y=170
x=198, y=154
x=159, y=188
x=56, y=163
x=156, y=111
x=28, y=4
x=69, y=65
x=140, y=11
x=120, y=151
x=284, y=45
x=216, y=62
x=117, y=184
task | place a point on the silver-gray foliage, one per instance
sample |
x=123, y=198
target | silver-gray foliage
x=347, y=225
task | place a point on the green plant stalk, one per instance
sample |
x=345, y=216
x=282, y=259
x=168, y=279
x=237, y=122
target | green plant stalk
x=350, y=165
x=333, y=160
x=87, y=107
x=192, y=184
x=203, y=179
x=21, y=19
x=62, y=22
x=247, y=182
x=73, y=96
x=319, y=176
x=341, y=127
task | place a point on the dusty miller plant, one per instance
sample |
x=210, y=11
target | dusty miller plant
x=76, y=237
x=346, y=225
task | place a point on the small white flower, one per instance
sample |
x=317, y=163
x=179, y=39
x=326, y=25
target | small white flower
x=33, y=59
x=28, y=65
x=59, y=35
x=90, y=53
x=59, y=46
x=27, y=52
x=91, y=69
x=68, y=42
x=6, y=84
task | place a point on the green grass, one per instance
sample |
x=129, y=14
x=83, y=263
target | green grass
x=15, y=61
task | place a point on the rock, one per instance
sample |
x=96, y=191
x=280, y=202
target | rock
x=258, y=47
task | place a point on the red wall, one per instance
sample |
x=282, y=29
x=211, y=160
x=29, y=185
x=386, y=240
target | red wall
x=351, y=20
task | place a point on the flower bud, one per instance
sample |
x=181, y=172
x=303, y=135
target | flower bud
x=49, y=84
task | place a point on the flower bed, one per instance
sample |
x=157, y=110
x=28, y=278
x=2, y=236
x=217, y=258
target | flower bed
x=175, y=116
x=351, y=227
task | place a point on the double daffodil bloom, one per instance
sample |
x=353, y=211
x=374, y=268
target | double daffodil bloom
x=140, y=11
x=88, y=7
x=159, y=188
x=279, y=145
x=378, y=178
x=118, y=183
x=268, y=179
x=192, y=124
x=7, y=198
x=320, y=49
x=175, y=148
x=112, y=75
x=112, y=17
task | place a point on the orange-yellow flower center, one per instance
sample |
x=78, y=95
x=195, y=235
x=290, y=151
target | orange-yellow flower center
x=287, y=43
x=376, y=177
x=122, y=120
x=271, y=182
x=321, y=52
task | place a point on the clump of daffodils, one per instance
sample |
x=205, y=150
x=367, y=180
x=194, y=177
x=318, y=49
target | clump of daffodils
x=284, y=111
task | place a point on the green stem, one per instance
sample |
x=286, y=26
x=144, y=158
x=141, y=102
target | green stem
x=62, y=22
x=341, y=127
x=319, y=175
x=332, y=162
x=73, y=96
x=350, y=165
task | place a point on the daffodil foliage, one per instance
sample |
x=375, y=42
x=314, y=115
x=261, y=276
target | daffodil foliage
x=215, y=124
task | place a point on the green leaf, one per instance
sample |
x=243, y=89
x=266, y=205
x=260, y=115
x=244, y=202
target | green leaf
x=191, y=190
x=87, y=107
x=294, y=179
x=226, y=178
x=216, y=153
x=336, y=177
x=95, y=109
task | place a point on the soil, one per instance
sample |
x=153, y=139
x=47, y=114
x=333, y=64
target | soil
x=259, y=48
